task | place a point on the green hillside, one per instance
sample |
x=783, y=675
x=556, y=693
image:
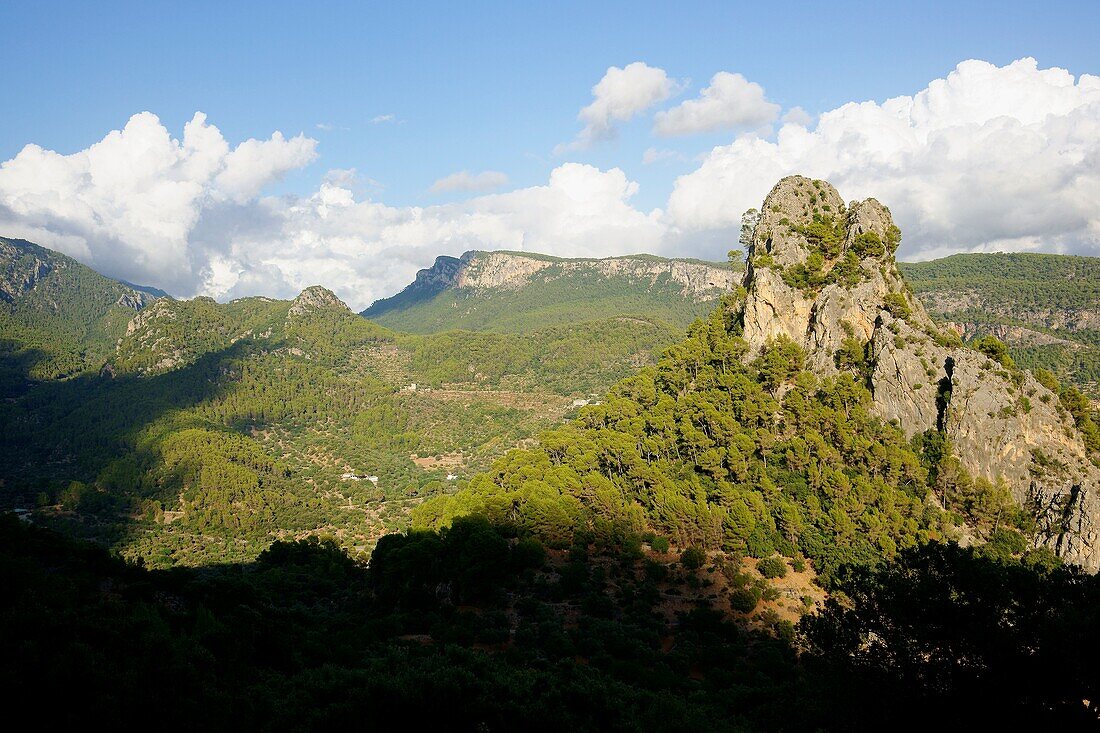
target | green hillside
x=562, y=291
x=214, y=428
x=57, y=316
x=1045, y=307
x=720, y=543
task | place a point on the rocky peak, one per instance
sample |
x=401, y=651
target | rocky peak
x=823, y=274
x=820, y=272
x=486, y=272
x=315, y=297
x=442, y=274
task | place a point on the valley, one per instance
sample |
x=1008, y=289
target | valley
x=549, y=480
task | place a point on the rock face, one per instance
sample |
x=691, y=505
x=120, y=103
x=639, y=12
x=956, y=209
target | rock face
x=823, y=274
x=20, y=270
x=512, y=271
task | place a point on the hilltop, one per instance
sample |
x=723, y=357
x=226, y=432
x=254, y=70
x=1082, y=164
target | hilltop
x=511, y=292
x=58, y=316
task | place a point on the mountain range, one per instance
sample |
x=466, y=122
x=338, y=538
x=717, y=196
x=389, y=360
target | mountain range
x=628, y=493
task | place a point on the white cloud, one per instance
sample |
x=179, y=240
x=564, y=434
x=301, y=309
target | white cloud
x=618, y=97
x=656, y=155
x=731, y=101
x=987, y=158
x=188, y=215
x=798, y=116
x=379, y=119
x=466, y=181
x=128, y=203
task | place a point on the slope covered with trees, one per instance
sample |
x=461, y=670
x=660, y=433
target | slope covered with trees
x=1045, y=307
x=208, y=429
x=474, y=628
x=57, y=316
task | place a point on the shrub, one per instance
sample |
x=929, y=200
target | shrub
x=693, y=558
x=896, y=305
x=744, y=600
x=995, y=349
x=659, y=544
x=772, y=567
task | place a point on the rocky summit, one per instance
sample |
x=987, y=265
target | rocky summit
x=822, y=273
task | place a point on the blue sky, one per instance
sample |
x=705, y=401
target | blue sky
x=478, y=85
x=409, y=93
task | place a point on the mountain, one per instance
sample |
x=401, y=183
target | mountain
x=216, y=427
x=820, y=411
x=513, y=292
x=828, y=282
x=57, y=316
x=818, y=509
x=1045, y=308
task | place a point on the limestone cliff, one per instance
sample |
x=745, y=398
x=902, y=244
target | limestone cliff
x=822, y=273
x=517, y=291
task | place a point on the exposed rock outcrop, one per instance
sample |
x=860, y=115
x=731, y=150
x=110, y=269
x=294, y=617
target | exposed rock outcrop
x=20, y=270
x=315, y=297
x=512, y=271
x=821, y=272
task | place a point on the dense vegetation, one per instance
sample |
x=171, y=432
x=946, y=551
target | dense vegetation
x=1046, y=306
x=753, y=458
x=57, y=317
x=642, y=566
x=476, y=629
x=218, y=427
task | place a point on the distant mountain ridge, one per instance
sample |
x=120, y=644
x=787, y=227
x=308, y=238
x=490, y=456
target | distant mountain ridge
x=1045, y=307
x=515, y=291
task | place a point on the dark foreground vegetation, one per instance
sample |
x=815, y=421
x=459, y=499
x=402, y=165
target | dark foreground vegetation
x=476, y=628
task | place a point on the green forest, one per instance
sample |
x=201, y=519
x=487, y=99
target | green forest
x=1057, y=296
x=281, y=515
x=481, y=627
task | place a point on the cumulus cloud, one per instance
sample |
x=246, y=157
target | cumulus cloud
x=380, y=119
x=364, y=250
x=466, y=181
x=189, y=215
x=618, y=97
x=128, y=203
x=987, y=158
x=730, y=101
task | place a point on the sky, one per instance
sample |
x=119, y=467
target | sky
x=233, y=149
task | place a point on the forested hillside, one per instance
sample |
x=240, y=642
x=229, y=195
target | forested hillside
x=1046, y=308
x=57, y=317
x=728, y=534
x=792, y=421
x=209, y=429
